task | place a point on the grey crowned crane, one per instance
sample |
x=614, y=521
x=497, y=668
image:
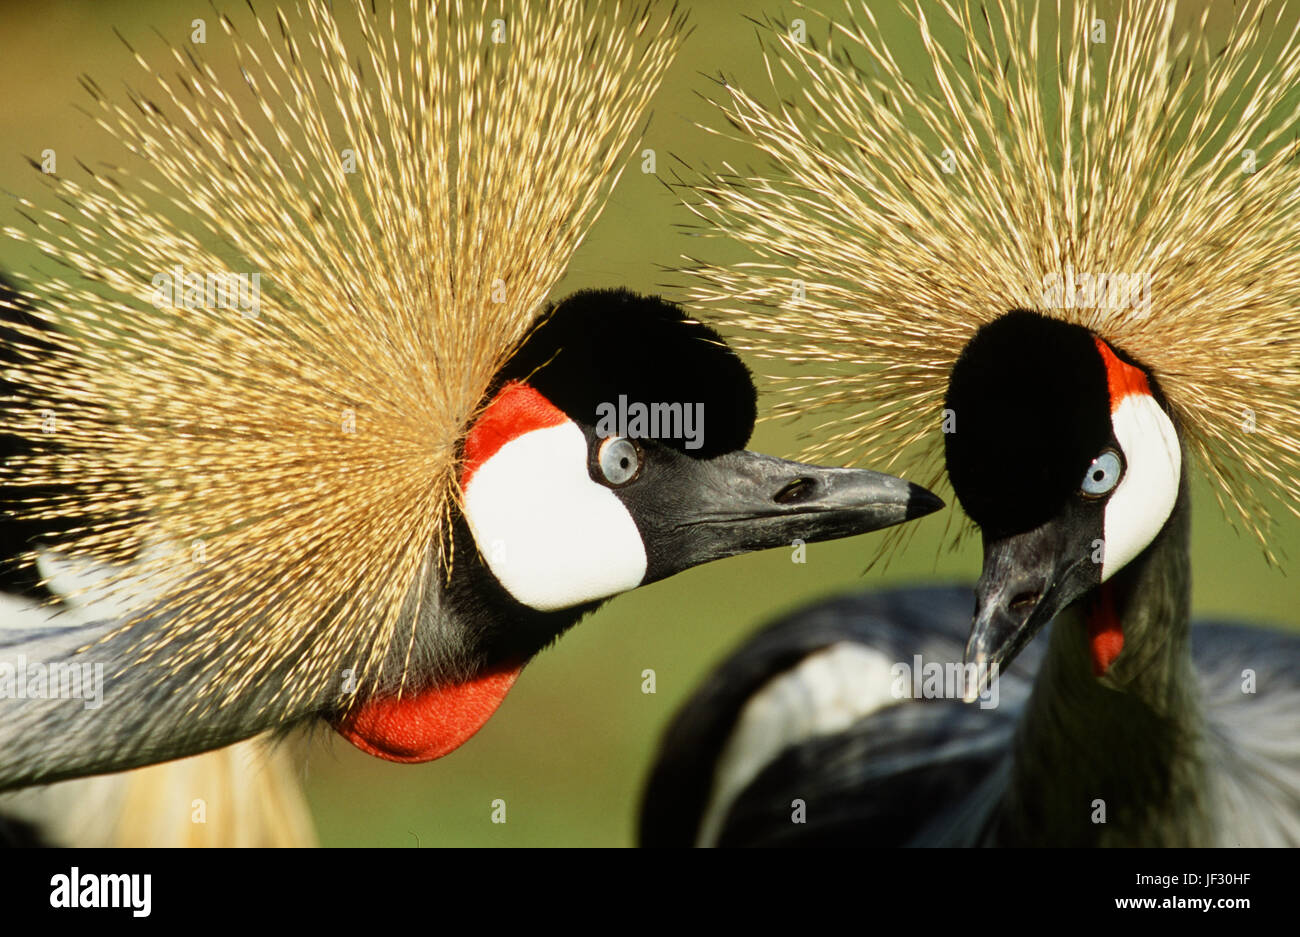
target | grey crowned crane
x=983, y=321
x=370, y=492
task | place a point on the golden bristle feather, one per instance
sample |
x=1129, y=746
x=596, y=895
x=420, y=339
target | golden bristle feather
x=292, y=471
x=1129, y=156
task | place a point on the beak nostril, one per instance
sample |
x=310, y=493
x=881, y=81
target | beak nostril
x=795, y=491
x=1025, y=601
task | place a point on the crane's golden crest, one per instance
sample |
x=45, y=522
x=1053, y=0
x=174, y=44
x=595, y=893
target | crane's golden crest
x=386, y=199
x=1112, y=165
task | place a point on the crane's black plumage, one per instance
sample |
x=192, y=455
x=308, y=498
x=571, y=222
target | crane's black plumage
x=1021, y=380
x=598, y=345
x=931, y=772
x=828, y=772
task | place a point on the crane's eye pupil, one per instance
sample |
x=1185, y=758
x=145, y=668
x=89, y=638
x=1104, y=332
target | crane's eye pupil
x=1103, y=474
x=619, y=459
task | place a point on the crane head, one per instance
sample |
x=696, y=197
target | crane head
x=610, y=454
x=1066, y=456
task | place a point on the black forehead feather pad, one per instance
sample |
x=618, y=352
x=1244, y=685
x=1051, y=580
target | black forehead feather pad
x=1031, y=409
x=597, y=345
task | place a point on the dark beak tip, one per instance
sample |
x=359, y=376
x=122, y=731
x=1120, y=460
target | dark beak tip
x=921, y=501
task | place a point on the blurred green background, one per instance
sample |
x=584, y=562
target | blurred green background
x=570, y=746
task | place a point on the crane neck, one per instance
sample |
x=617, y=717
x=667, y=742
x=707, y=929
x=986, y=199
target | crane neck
x=1117, y=759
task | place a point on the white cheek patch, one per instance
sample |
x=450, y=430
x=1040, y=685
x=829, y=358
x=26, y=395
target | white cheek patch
x=552, y=537
x=1145, y=496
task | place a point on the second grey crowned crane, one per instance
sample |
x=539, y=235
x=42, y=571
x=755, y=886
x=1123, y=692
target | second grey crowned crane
x=1125, y=726
x=1027, y=259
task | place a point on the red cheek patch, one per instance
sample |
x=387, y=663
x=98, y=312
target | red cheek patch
x=515, y=410
x=1105, y=633
x=428, y=724
x=1122, y=379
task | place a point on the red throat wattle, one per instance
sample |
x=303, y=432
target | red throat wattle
x=1105, y=633
x=430, y=723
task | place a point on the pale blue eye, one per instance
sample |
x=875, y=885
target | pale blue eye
x=1103, y=474
x=620, y=460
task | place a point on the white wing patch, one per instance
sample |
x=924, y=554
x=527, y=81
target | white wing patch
x=91, y=590
x=1145, y=496
x=825, y=693
x=24, y=615
x=552, y=537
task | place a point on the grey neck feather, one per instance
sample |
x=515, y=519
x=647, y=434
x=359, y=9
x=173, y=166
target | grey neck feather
x=154, y=710
x=1133, y=739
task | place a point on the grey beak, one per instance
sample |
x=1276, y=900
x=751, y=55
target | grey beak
x=744, y=501
x=1026, y=581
